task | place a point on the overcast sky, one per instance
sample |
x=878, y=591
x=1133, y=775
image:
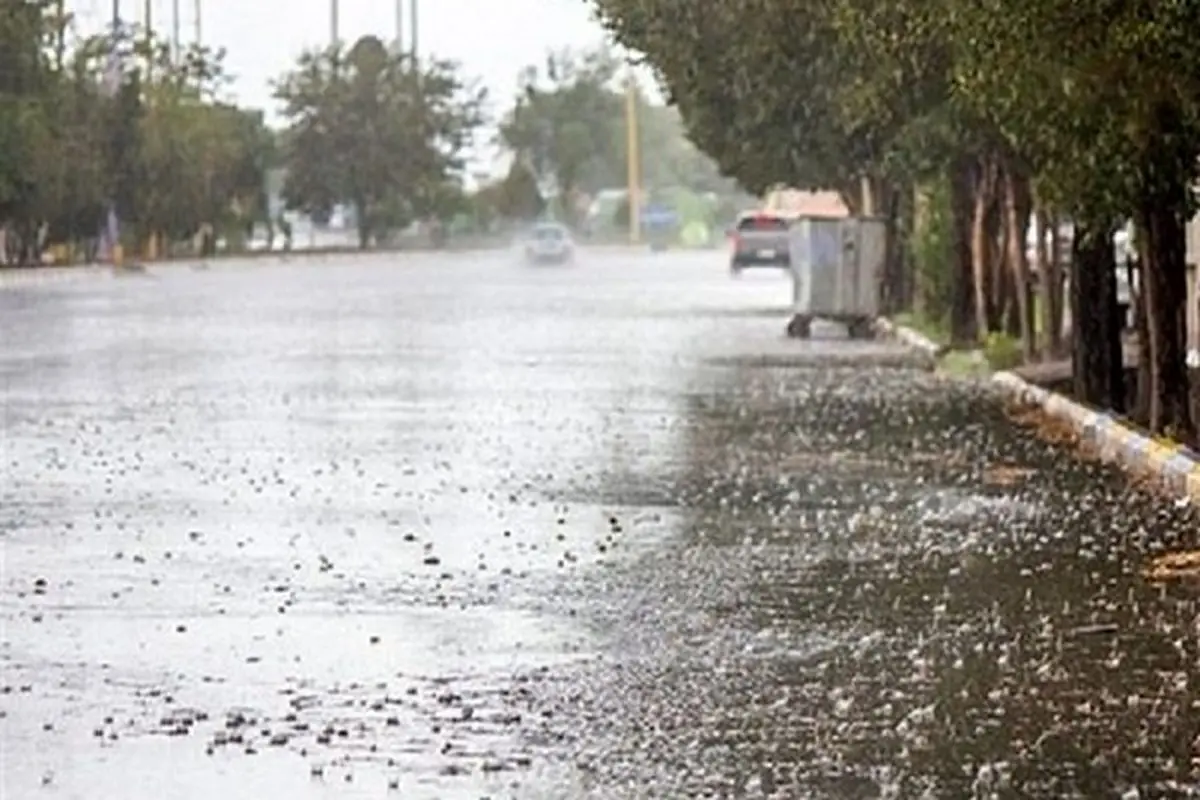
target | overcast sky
x=493, y=39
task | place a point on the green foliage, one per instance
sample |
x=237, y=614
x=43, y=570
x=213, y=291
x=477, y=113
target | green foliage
x=155, y=141
x=1002, y=351
x=568, y=128
x=369, y=128
x=964, y=364
x=759, y=85
x=932, y=327
x=560, y=128
x=820, y=94
x=1078, y=91
x=932, y=251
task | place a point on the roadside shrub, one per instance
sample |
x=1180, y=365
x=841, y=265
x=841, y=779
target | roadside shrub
x=1002, y=351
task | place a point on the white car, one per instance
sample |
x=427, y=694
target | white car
x=549, y=243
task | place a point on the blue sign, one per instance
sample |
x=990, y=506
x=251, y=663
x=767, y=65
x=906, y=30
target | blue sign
x=658, y=216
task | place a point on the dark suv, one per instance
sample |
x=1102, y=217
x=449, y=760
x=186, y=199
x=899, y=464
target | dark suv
x=760, y=239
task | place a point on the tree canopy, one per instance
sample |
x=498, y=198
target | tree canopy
x=1053, y=109
x=567, y=129
x=146, y=131
x=371, y=129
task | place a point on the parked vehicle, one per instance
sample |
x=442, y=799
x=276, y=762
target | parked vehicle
x=759, y=239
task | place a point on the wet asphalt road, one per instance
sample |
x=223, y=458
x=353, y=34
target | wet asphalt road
x=452, y=527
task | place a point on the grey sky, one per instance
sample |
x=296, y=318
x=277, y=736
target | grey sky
x=493, y=39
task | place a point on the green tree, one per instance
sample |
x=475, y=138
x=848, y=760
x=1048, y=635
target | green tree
x=562, y=128
x=668, y=157
x=76, y=135
x=1089, y=111
x=370, y=129
x=1103, y=103
x=776, y=94
x=569, y=129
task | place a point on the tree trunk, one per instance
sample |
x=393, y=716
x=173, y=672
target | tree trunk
x=866, y=188
x=1037, y=273
x=921, y=301
x=902, y=205
x=1162, y=241
x=852, y=198
x=1003, y=310
x=1050, y=290
x=981, y=262
x=1099, y=374
x=1060, y=261
x=963, y=321
x=1004, y=288
x=1145, y=385
x=362, y=224
x=892, y=289
x=1016, y=224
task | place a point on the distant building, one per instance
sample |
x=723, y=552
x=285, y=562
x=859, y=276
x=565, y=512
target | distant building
x=806, y=203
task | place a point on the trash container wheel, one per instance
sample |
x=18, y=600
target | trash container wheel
x=800, y=327
x=861, y=328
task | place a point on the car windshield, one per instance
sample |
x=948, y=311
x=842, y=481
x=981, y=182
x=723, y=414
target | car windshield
x=548, y=233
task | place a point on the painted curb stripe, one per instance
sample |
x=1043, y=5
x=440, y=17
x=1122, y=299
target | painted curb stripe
x=1037, y=397
x=1116, y=436
x=1176, y=465
x=1179, y=466
x=917, y=340
x=1193, y=482
x=1098, y=428
x=1135, y=447
x=1157, y=456
x=908, y=336
x=1056, y=404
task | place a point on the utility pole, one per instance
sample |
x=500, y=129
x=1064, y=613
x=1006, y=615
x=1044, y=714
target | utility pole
x=633, y=157
x=198, y=21
x=412, y=13
x=334, y=34
x=148, y=13
x=175, y=36
x=399, y=26
x=113, y=226
x=60, y=36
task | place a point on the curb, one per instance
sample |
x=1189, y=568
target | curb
x=910, y=337
x=12, y=277
x=1176, y=467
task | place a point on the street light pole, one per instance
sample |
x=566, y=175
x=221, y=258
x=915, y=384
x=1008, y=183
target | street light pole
x=113, y=226
x=399, y=26
x=175, y=30
x=412, y=13
x=633, y=157
x=199, y=25
x=334, y=34
x=148, y=12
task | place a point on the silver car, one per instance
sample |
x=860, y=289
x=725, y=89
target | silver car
x=759, y=239
x=549, y=243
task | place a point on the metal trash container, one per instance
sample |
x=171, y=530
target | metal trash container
x=836, y=267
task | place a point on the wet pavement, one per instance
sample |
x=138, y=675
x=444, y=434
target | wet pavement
x=450, y=527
